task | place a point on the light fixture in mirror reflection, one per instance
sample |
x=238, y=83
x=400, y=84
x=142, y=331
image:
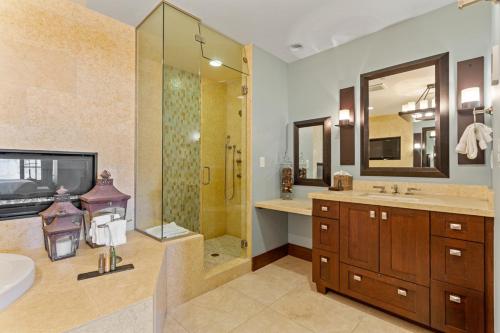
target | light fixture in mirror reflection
x=401, y=117
x=311, y=152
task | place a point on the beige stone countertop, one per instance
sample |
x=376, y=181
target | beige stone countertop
x=57, y=301
x=295, y=206
x=436, y=203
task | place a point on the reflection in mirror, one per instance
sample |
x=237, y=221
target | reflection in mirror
x=402, y=119
x=311, y=152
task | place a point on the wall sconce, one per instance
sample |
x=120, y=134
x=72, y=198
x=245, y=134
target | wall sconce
x=345, y=118
x=470, y=98
x=417, y=145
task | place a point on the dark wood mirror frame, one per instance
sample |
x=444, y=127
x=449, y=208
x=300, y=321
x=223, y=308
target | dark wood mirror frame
x=441, y=169
x=327, y=158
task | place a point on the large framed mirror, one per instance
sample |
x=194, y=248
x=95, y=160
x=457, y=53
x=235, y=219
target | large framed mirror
x=404, y=119
x=312, y=152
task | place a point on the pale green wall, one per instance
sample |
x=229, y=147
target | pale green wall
x=270, y=114
x=314, y=82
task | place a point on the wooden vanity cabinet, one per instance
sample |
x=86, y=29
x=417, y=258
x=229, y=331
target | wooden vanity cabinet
x=432, y=268
x=404, y=244
x=325, y=251
x=359, y=235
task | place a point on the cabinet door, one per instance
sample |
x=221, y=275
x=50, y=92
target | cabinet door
x=326, y=234
x=456, y=309
x=458, y=262
x=404, y=244
x=325, y=270
x=359, y=235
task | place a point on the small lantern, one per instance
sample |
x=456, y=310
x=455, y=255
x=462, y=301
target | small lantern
x=103, y=196
x=61, y=226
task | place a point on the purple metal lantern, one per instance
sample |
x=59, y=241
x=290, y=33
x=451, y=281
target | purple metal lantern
x=103, y=197
x=61, y=224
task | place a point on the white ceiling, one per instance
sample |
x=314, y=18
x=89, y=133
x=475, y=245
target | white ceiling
x=276, y=24
x=400, y=89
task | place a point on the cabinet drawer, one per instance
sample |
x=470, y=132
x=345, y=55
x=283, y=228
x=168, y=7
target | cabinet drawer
x=326, y=268
x=456, y=309
x=400, y=297
x=326, y=234
x=326, y=208
x=458, y=262
x=457, y=226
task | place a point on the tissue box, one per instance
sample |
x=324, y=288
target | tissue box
x=346, y=181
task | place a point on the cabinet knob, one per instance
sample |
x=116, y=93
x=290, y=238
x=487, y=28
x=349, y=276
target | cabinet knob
x=324, y=227
x=324, y=208
x=323, y=259
x=455, y=226
x=455, y=299
x=356, y=277
x=372, y=214
x=383, y=216
x=402, y=292
x=456, y=253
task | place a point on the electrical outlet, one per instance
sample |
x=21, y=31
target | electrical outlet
x=262, y=162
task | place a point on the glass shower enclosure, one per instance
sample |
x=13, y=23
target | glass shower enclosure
x=191, y=170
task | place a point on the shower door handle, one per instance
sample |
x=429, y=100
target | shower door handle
x=208, y=174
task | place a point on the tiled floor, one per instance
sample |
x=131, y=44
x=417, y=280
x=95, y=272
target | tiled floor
x=279, y=298
x=227, y=247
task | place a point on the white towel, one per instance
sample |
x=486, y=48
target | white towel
x=118, y=230
x=469, y=140
x=100, y=235
x=173, y=230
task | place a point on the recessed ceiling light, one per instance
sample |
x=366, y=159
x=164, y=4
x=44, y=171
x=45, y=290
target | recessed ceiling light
x=215, y=63
x=296, y=47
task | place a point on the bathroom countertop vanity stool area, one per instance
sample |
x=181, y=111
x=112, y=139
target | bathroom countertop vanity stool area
x=434, y=268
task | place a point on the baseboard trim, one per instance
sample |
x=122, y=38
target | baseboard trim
x=299, y=252
x=269, y=257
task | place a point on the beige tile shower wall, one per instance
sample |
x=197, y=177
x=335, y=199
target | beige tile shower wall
x=213, y=124
x=68, y=83
x=234, y=129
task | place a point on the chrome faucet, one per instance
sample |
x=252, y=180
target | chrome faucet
x=395, y=189
x=381, y=188
x=411, y=190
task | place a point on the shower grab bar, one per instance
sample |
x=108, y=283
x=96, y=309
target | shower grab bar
x=209, y=176
x=233, y=148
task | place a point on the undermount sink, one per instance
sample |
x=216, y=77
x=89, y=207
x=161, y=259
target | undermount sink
x=17, y=274
x=388, y=196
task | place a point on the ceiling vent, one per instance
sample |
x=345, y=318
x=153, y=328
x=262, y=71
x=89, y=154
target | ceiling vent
x=377, y=86
x=296, y=47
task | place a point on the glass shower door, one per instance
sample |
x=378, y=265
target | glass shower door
x=181, y=120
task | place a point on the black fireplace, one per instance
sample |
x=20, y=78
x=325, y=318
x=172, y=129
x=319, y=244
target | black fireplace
x=29, y=179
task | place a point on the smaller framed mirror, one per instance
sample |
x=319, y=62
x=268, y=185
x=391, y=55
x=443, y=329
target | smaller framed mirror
x=312, y=152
